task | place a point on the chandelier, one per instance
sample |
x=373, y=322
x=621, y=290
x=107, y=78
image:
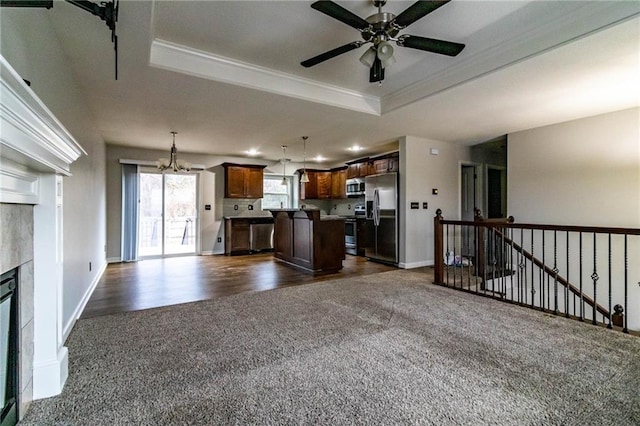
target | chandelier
x=173, y=163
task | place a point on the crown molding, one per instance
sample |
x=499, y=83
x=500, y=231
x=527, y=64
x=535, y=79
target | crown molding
x=29, y=132
x=179, y=58
x=585, y=19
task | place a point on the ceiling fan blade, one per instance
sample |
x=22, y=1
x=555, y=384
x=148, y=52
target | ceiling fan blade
x=340, y=13
x=416, y=11
x=331, y=54
x=430, y=45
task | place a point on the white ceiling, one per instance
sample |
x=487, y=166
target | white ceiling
x=226, y=75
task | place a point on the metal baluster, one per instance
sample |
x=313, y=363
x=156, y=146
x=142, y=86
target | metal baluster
x=555, y=272
x=522, y=265
x=454, y=256
x=626, y=285
x=543, y=276
x=486, y=261
x=566, y=287
x=581, y=274
x=469, y=262
x=447, y=256
x=511, y=260
x=594, y=277
x=609, y=325
x=502, y=265
x=533, y=285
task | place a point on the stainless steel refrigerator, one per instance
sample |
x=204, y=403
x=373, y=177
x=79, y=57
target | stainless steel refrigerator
x=381, y=198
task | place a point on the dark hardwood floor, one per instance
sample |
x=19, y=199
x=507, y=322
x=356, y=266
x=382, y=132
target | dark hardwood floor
x=162, y=282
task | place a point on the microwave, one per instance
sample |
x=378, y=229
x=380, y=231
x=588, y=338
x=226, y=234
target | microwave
x=355, y=187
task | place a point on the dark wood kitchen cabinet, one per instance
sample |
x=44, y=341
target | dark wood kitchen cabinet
x=318, y=187
x=357, y=169
x=339, y=183
x=237, y=234
x=243, y=180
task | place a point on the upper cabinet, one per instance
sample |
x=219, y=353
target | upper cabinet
x=371, y=166
x=332, y=184
x=243, y=180
x=339, y=183
x=318, y=187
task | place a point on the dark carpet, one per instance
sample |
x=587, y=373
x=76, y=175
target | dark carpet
x=388, y=348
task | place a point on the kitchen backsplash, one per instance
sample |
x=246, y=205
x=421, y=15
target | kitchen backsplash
x=243, y=207
x=338, y=207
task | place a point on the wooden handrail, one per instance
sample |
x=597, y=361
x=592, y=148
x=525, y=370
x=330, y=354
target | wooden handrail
x=490, y=223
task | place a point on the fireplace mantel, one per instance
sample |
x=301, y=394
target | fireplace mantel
x=36, y=151
x=32, y=140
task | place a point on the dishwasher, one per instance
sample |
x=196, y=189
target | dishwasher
x=261, y=236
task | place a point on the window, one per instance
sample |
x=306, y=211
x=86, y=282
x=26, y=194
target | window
x=276, y=195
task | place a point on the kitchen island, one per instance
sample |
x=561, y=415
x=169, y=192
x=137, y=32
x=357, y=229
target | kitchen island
x=307, y=240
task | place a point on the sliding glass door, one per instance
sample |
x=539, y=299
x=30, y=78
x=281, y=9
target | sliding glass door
x=168, y=214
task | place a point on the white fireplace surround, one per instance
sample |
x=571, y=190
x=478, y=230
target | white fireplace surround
x=36, y=151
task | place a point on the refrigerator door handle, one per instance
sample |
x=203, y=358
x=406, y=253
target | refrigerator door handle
x=376, y=207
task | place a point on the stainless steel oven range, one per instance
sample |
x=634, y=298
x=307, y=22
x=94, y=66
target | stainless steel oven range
x=351, y=229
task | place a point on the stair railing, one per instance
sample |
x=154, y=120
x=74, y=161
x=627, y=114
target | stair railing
x=581, y=272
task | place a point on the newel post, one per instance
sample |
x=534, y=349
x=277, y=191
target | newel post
x=438, y=248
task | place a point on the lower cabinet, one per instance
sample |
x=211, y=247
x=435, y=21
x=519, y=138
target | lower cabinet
x=247, y=235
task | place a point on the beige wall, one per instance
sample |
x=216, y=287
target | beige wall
x=420, y=172
x=582, y=172
x=30, y=45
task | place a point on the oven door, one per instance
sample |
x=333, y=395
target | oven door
x=350, y=236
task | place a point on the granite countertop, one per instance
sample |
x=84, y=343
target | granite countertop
x=263, y=217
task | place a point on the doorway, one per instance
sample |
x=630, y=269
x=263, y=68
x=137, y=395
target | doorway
x=496, y=192
x=469, y=195
x=167, y=215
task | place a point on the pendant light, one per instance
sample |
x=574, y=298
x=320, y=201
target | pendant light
x=173, y=163
x=304, y=178
x=284, y=162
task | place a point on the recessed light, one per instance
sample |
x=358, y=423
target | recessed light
x=355, y=148
x=319, y=158
x=252, y=152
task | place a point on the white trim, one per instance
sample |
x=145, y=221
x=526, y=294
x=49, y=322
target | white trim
x=586, y=19
x=179, y=58
x=83, y=303
x=412, y=265
x=49, y=376
x=18, y=184
x=31, y=134
x=207, y=253
x=114, y=259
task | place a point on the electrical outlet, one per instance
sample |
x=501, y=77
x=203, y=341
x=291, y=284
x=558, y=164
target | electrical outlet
x=250, y=206
x=235, y=207
x=219, y=239
x=89, y=266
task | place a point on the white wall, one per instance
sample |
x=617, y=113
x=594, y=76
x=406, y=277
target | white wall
x=30, y=45
x=582, y=172
x=420, y=173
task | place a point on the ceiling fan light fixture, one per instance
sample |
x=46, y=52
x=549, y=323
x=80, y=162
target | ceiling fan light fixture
x=385, y=50
x=368, y=57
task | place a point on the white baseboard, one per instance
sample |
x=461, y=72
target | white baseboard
x=114, y=260
x=206, y=253
x=83, y=302
x=412, y=265
x=50, y=376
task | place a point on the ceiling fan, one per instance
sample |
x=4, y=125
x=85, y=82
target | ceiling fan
x=379, y=29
